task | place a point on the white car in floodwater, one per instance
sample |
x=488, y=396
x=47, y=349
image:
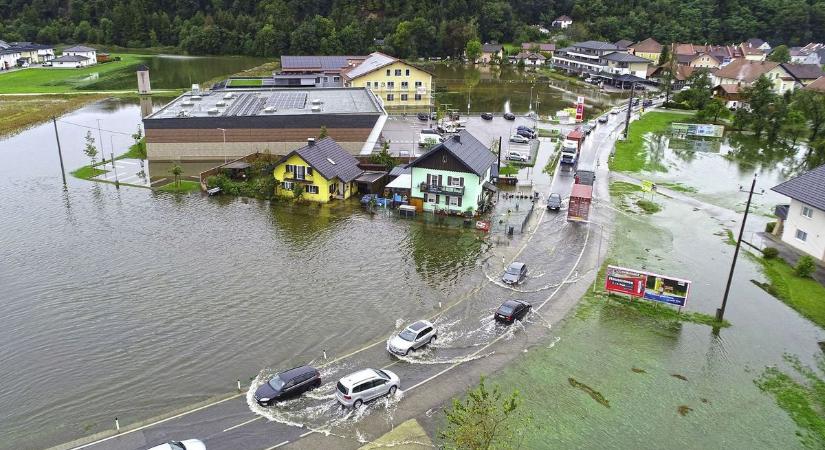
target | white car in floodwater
x=188, y=444
x=413, y=337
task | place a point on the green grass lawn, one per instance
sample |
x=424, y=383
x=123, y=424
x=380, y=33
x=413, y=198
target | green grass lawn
x=54, y=80
x=246, y=82
x=631, y=154
x=805, y=295
x=183, y=187
x=87, y=172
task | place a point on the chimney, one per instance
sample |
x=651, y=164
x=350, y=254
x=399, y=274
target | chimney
x=457, y=138
x=311, y=141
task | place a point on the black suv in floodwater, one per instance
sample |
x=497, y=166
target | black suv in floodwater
x=288, y=384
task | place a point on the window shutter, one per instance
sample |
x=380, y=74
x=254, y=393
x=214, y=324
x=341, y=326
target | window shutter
x=461, y=181
x=440, y=179
x=436, y=198
x=309, y=170
x=459, y=201
x=449, y=180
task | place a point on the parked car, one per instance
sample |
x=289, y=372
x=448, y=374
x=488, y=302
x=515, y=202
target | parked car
x=603, y=119
x=587, y=129
x=516, y=156
x=509, y=116
x=614, y=111
x=413, y=337
x=647, y=102
x=288, y=384
x=554, y=201
x=525, y=127
x=487, y=116
x=593, y=124
x=526, y=133
x=188, y=444
x=519, y=139
x=365, y=385
x=47, y=64
x=512, y=310
x=515, y=273
x=423, y=116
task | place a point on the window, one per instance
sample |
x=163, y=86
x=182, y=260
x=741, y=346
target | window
x=801, y=235
x=407, y=72
x=431, y=198
x=455, y=181
x=288, y=185
x=405, y=85
x=312, y=189
x=336, y=79
x=398, y=72
x=390, y=97
x=299, y=172
x=417, y=84
x=418, y=96
x=326, y=79
x=453, y=201
x=807, y=212
x=388, y=72
x=317, y=80
x=290, y=168
x=404, y=97
x=309, y=171
x=391, y=85
x=331, y=188
x=368, y=84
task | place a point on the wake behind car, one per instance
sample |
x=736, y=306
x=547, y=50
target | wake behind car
x=288, y=384
x=516, y=273
x=365, y=385
x=413, y=337
x=188, y=444
x=512, y=310
x=487, y=116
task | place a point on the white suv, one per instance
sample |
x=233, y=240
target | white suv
x=413, y=337
x=365, y=385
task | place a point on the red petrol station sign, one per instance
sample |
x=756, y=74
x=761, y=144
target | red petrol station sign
x=579, y=109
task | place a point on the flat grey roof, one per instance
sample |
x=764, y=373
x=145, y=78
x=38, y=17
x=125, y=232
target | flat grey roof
x=270, y=102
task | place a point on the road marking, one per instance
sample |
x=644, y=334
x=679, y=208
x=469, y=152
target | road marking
x=279, y=445
x=242, y=424
x=158, y=422
x=307, y=433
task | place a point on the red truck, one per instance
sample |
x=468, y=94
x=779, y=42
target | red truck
x=571, y=147
x=578, y=209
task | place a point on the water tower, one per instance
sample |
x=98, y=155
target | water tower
x=144, y=88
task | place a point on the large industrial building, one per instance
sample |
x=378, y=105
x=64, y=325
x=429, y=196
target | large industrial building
x=220, y=125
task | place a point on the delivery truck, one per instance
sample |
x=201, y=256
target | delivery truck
x=578, y=208
x=571, y=148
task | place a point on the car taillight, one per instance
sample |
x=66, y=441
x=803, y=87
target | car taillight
x=347, y=397
x=509, y=317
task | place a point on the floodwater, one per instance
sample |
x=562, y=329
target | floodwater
x=175, y=72
x=500, y=89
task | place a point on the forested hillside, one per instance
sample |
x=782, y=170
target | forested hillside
x=410, y=28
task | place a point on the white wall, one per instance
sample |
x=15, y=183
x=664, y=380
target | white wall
x=814, y=245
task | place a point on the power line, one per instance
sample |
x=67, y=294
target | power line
x=94, y=128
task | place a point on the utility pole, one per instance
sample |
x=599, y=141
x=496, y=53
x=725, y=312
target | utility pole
x=499, y=156
x=100, y=142
x=629, y=108
x=59, y=152
x=223, y=130
x=720, y=312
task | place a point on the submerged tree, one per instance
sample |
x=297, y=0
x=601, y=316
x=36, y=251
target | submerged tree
x=323, y=133
x=485, y=419
x=473, y=50
x=176, y=172
x=89, y=149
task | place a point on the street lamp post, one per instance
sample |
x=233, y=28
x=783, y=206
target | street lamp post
x=720, y=312
x=629, y=108
x=223, y=130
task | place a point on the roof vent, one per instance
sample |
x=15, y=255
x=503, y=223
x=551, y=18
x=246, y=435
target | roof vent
x=196, y=98
x=270, y=109
x=316, y=101
x=310, y=141
x=227, y=96
x=316, y=109
x=196, y=89
x=220, y=103
x=457, y=137
x=186, y=103
x=331, y=161
x=213, y=111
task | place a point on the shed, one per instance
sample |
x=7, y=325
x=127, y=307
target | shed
x=237, y=169
x=371, y=182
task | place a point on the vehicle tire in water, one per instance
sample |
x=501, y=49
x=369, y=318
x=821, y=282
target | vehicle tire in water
x=392, y=390
x=431, y=340
x=357, y=404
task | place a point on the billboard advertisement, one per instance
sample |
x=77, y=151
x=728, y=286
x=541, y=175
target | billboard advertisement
x=579, y=109
x=650, y=286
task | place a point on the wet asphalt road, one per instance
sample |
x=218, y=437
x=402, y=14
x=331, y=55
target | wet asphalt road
x=465, y=330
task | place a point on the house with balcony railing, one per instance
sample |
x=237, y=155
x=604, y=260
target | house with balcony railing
x=454, y=177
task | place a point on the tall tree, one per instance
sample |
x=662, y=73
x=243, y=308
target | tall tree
x=780, y=54
x=89, y=148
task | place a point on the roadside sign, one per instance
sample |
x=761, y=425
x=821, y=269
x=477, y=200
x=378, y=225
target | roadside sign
x=647, y=186
x=579, y=109
x=647, y=285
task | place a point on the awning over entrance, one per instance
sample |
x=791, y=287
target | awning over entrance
x=489, y=186
x=403, y=181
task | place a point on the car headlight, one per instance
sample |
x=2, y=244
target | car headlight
x=263, y=399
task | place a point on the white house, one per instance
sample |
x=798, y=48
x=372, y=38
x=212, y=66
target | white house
x=71, y=61
x=562, y=22
x=803, y=224
x=87, y=52
x=8, y=58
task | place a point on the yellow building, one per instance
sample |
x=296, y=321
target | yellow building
x=398, y=84
x=323, y=169
x=648, y=49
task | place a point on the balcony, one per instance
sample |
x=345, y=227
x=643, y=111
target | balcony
x=443, y=190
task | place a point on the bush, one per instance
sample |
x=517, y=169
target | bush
x=805, y=266
x=769, y=227
x=770, y=253
x=674, y=105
